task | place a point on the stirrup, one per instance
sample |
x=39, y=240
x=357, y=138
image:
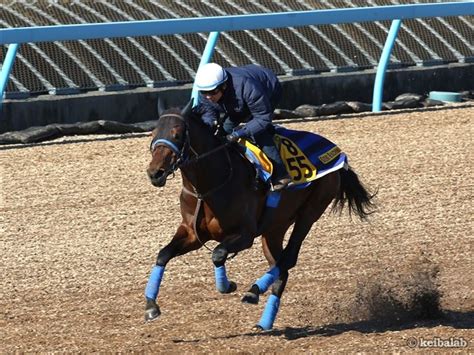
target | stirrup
x=281, y=184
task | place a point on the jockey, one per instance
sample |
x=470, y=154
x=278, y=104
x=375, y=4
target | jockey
x=245, y=95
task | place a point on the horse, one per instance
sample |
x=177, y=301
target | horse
x=220, y=200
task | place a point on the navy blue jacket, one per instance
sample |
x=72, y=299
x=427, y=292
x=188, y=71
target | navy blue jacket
x=250, y=97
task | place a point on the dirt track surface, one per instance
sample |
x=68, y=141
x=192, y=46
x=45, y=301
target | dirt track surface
x=81, y=225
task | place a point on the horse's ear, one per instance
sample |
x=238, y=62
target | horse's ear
x=160, y=106
x=187, y=109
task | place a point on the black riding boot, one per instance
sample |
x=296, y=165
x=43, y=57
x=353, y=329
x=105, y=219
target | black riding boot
x=280, y=178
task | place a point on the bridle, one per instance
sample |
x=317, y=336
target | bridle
x=179, y=152
x=183, y=157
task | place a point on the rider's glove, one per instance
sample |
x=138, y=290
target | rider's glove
x=234, y=136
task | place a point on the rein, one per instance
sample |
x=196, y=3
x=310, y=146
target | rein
x=203, y=155
x=199, y=195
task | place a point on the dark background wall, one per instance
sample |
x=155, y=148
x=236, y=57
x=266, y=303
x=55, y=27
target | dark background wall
x=358, y=86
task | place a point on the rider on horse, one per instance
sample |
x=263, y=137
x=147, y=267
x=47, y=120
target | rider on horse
x=246, y=95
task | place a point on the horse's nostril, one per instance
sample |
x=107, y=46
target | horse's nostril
x=155, y=174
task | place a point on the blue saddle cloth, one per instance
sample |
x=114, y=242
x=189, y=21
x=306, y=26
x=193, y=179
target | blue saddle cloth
x=308, y=156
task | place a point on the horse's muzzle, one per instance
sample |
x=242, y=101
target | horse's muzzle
x=158, y=178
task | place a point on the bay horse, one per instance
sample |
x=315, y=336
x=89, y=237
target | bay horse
x=220, y=201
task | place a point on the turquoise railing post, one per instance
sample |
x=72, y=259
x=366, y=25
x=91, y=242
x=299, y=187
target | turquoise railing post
x=382, y=67
x=206, y=57
x=6, y=68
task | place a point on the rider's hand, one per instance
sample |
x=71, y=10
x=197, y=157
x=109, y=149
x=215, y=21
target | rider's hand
x=233, y=137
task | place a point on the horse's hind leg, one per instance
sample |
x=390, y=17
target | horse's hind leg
x=183, y=242
x=318, y=203
x=272, y=245
x=279, y=273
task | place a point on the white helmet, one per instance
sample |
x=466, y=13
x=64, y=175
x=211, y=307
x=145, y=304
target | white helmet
x=209, y=76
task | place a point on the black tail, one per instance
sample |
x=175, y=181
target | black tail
x=355, y=194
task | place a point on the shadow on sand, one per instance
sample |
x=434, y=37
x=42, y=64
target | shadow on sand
x=457, y=320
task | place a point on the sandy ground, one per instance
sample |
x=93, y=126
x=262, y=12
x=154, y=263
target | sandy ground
x=81, y=225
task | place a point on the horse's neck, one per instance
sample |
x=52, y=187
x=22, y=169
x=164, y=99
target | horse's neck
x=221, y=179
x=200, y=137
x=209, y=171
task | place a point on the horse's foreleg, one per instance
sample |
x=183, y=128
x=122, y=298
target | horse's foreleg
x=182, y=242
x=219, y=257
x=232, y=244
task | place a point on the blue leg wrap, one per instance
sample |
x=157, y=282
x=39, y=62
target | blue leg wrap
x=268, y=279
x=273, y=199
x=222, y=283
x=269, y=313
x=154, y=281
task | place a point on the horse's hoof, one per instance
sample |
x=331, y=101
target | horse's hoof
x=250, y=298
x=258, y=328
x=232, y=287
x=152, y=313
